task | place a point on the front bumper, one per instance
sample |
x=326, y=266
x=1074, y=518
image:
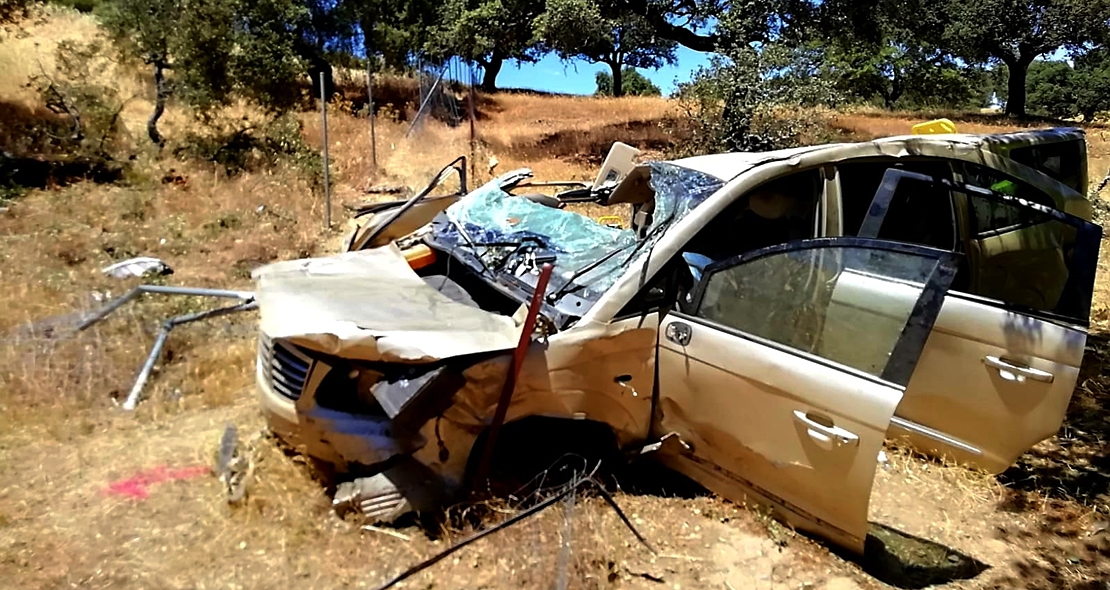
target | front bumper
x=391, y=473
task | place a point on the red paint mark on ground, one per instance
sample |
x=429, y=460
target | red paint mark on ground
x=138, y=486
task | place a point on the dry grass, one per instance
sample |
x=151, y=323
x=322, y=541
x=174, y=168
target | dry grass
x=62, y=440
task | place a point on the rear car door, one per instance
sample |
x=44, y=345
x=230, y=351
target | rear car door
x=780, y=371
x=1000, y=365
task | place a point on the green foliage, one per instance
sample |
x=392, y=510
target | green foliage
x=1057, y=89
x=395, y=30
x=749, y=100
x=635, y=84
x=899, y=76
x=1092, y=85
x=91, y=110
x=1016, y=32
x=1051, y=90
x=577, y=29
x=487, y=32
x=242, y=148
x=216, y=51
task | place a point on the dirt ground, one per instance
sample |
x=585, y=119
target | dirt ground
x=91, y=497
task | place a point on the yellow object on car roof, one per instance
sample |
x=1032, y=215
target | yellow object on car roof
x=934, y=127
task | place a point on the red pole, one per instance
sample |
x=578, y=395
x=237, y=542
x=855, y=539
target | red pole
x=482, y=471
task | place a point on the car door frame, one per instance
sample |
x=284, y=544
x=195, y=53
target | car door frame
x=1085, y=231
x=996, y=454
x=895, y=375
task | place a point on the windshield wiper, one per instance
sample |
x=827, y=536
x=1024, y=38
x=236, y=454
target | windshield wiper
x=566, y=288
x=570, y=286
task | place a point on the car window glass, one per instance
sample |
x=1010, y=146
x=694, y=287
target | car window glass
x=1016, y=251
x=1023, y=258
x=860, y=180
x=846, y=304
x=992, y=216
x=921, y=214
x=1063, y=160
x=774, y=213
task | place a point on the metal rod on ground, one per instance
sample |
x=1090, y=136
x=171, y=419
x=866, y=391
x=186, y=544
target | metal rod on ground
x=327, y=181
x=164, y=290
x=427, y=563
x=156, y=351
x=482, y=471
x=566, y=491
x=425, y=102
x=370, y=98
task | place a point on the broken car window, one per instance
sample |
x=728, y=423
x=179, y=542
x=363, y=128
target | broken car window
x=493, y=223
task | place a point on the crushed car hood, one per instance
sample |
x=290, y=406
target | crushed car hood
x=369, y=305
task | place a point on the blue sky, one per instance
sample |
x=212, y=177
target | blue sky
x=577, y=77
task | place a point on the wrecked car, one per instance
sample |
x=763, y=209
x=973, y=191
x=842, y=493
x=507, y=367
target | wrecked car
x=760, y=322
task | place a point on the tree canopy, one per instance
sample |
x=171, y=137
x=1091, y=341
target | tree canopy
x=893, y=53
x=577, y=29
x=635, y=84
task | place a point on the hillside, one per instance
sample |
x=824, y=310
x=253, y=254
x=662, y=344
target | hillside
x=63, y=440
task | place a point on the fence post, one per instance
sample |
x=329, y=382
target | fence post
x=370, y=97
x=473, y=139
x=327, y=180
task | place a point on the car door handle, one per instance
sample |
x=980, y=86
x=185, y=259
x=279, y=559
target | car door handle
x=826, y=433
x=679, y=333
x=1011, y=371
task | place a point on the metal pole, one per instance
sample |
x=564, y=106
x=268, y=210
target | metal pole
x=482, y=471
x=424, y=102
x=163, y=290
x=370, y=97
x=156, y=351
x=471, y=107
x=327, y=180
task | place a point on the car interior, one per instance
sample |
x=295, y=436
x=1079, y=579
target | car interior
x=1010, y=254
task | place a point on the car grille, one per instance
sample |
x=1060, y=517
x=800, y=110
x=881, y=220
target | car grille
x=284, y=368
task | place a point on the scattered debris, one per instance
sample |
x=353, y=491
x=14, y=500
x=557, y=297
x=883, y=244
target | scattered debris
x=172, y=177
x=138, y=486
x=235, y=465
x=384, y=497
x=395, y=534
x=248, y=303
x=137, y=267
x=386, y=189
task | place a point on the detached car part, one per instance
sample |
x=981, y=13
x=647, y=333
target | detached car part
x=168, y=325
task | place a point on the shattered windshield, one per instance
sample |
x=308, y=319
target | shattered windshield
x=589, y=256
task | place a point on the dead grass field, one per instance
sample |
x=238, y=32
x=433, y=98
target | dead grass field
x=1044, y=524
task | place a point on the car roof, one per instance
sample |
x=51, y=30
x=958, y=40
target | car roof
x=727, y=166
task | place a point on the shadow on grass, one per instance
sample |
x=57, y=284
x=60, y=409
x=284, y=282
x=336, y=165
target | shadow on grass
x=1075, y=465
x=905, y=561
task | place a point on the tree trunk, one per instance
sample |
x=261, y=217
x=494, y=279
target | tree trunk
x=318, y=65
x=492, y=69
x=897, y=89
x=1015, y=94
x=618, y=81
x=161, y=93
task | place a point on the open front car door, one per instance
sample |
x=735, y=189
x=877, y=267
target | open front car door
x=780, y=372
x=999, y=368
